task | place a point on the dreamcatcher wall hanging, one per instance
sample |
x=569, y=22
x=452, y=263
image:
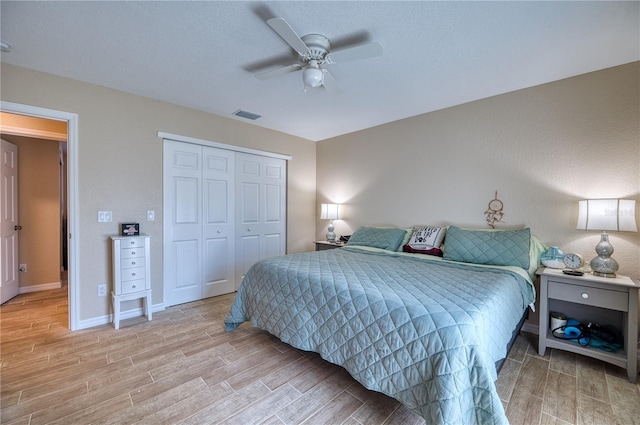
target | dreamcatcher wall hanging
x=494, y=213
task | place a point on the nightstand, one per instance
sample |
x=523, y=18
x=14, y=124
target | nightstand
x=324, y=245
x=589, y=298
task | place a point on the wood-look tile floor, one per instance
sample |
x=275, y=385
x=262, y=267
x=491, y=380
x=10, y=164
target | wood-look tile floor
x=183, y=368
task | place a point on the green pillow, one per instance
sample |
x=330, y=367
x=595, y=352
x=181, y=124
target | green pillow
x=498, y=248
x=378, y=237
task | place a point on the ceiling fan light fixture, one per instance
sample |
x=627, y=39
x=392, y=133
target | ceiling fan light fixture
x=312, y=76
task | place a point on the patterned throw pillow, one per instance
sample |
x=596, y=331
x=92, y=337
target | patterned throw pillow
x=427, y=237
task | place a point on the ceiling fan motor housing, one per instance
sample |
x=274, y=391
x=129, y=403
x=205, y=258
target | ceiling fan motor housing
x=318, y=45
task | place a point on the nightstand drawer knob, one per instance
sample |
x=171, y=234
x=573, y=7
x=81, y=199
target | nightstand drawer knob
x=585, y=295
x=133, y=274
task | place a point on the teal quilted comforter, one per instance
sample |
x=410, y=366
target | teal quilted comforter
x=424, y=331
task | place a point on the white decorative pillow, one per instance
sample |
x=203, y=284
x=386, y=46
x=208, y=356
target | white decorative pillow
x=427, y=237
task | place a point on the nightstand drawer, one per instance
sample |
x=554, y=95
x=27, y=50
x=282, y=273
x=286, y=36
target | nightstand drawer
x=615, y=300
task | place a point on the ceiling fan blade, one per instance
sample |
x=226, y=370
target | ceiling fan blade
x=283, y=29
x=330, y=83
x=280, y=71
x=362, y=51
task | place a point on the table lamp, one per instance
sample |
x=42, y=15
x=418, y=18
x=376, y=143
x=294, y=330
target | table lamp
x=617, y=215
x=330, y=212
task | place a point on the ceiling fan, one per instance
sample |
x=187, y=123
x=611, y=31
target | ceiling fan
x=314, y=51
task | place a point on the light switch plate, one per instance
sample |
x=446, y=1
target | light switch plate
x=151, y=215
x=104, y=216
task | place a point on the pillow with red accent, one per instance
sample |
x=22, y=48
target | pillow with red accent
x=431, y=251
x=427, y=237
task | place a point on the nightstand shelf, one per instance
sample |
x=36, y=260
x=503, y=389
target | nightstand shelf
x=324, y=245
x=593, y=299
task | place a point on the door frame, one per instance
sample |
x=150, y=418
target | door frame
x=73, y=227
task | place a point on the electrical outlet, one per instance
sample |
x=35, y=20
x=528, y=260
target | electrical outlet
x=102, y=290
x=22, y=268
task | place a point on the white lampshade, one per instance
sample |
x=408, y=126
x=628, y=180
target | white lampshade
x=330, y=212
x=607, y=214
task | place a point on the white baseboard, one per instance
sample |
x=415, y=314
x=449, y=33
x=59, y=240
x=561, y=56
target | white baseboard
x=106, y=319
x=38, y=288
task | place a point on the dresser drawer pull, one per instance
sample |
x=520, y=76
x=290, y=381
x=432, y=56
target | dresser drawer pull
x=585, y=295
x=133, y=263
x=133, y=274
x=133, y=253
x=133, y=242
x=133, y=286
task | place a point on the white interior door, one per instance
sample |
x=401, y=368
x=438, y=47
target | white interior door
x=260, y=210
x=182, y=227
x=198, y=222
x=218, y=172
x=9, y=222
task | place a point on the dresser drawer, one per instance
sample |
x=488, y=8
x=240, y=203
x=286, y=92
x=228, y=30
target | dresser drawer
x=132, y=243
x=131, y=286
x=128, y=263
x=615, y=300
x=133, y=274
x=131, y=253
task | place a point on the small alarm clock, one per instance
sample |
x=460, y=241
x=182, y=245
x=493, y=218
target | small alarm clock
x=573, y=262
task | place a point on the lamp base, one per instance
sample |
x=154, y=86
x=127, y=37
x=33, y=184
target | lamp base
x=603, y=265
x=604, y=274
x=331, y=237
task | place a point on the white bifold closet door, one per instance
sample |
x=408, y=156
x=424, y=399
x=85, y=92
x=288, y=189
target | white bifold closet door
x=223, y=211
x=261, y=200
x=198, y=222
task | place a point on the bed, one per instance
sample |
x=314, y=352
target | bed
x=423, y=329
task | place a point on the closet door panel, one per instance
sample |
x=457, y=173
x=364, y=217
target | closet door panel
x=185, y=262
x=182, y=227
x=218, y=228
x=261, y=210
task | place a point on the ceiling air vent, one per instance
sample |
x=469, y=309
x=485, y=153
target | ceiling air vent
x=247, y=115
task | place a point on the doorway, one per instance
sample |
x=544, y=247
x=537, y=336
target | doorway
x=71, y=195
x=34, y=207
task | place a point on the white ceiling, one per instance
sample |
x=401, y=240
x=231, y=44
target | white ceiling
x=204, y=54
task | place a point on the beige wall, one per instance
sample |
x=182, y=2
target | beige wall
x=38, y=210
x=542, y=148
x=120, y=167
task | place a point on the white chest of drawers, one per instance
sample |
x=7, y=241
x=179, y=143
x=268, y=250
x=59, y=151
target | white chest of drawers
x=590, y=298
x=131, y=273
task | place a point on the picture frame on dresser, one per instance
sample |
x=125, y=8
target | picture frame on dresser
x=589, y=298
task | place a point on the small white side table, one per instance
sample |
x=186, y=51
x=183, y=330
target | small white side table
x=131, y=273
